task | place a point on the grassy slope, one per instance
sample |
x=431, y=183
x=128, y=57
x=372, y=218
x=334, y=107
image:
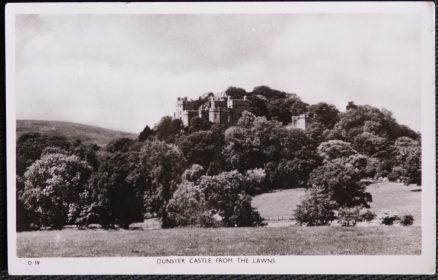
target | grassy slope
x=222, y=241
x=386, y=196
x=86, y=133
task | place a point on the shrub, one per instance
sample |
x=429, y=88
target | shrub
x=316, y=209
x=368, y=216
x=389, y=219
x=349, y=217
x=407, y=220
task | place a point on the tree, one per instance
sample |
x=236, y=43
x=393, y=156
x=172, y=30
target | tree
x=145, y=134
x=256, y=181
x=358, y=119
x=316, y=209
x=193, y=174
x=372, y=145
x=325, y=114
x=341, y=183
x=202, y=147
x=282, y=110
x=257, y=104
x=226, y=197
x=168, y=129
x=269, y=93
x=52, y=186
x=188, y=207
x=119, y=145
x=163, y=165
x=334, y=149
x=407, y=154
x=235, y=92
x=116, y=194
x=31, y=145
x=198, y=124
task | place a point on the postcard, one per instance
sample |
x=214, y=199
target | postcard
x=221, y=138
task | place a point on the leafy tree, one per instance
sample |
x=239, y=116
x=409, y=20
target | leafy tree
x=257, y=104
x=145, y=134
x=52, y=185
x=269, y=93
x=235, y=92
x=193, y=173
x=341, y=183
x=198, y=124
x=282, y=110
x=188, y=207
x=316, y=208
x=202, y=147
x=116, y=194
x=163, y=165
x=168, y=129
x=251, y=147
x=407, y=154
x=256, y=181
x=372, y=145
x=324, y=114
x=226, y=197
x=365, y=118
x=334, y=149
x=31, y=145
x=120, y=145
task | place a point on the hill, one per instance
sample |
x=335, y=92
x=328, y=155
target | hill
x=72, y=131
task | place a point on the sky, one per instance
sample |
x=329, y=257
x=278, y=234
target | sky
x=126, y=71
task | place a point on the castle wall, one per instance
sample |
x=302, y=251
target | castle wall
x=217, y=110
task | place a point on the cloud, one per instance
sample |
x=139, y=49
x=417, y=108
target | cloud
x=124, y=72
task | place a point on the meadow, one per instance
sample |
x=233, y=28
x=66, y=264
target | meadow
x=147, y=240
x=278, y=206
x=294, y=240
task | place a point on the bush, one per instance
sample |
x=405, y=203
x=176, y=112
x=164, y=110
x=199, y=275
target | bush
x=368, y=216
x=388, y=219
x=316, y=209
x=407, y=220
x=349, y=217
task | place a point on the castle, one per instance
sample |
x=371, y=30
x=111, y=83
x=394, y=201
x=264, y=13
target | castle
x=218, y=109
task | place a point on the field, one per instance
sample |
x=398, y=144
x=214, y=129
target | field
x=72, y=131
x=146, y=240
x=277, y=207
x=224, y=241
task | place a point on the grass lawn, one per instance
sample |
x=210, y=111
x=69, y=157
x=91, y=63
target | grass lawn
x=278, y=239
x=279, y=205
x=380, y=240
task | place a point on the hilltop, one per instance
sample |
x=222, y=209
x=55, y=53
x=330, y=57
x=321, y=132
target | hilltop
x=72, y=131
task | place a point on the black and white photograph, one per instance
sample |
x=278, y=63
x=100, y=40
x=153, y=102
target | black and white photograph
x=161, y=138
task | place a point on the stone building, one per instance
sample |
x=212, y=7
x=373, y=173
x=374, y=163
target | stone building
x=300, y=122
x=219, y=109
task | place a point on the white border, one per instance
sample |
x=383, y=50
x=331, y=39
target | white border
x=421, y=264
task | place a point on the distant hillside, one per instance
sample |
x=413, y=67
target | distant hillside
x=72, y=131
